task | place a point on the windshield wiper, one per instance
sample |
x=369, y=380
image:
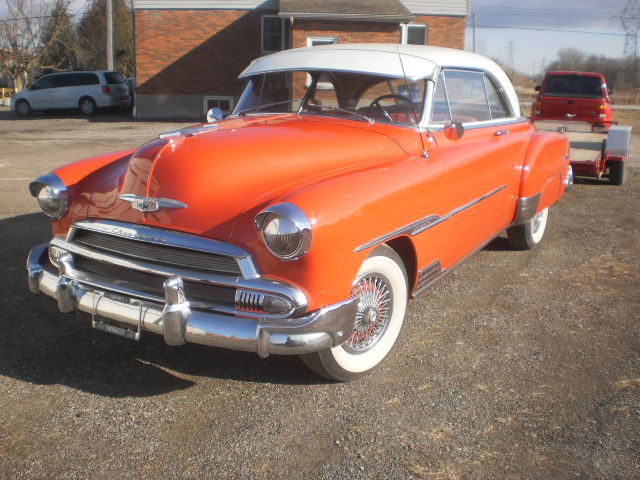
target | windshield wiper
x=266, y=105
x=331, y=108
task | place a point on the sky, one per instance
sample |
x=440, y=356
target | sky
x=531, y=40
x=592, y=26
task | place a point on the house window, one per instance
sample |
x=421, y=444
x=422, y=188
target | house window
x=413, y=34
x=276, y=33
x=225, y=104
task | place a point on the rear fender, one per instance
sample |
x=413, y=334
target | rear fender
x=544, y=169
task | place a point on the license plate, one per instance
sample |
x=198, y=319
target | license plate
x=111, y=326
x=116, y=328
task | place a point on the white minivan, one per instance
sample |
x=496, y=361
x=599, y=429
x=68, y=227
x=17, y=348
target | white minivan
x=86, y=91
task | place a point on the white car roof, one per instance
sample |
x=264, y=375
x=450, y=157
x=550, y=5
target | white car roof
x=386, y=59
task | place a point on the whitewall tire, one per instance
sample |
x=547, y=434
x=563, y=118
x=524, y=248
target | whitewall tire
x=530, y=234
x=381, y=286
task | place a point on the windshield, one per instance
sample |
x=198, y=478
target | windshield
x=574, y=86
x=355, y=96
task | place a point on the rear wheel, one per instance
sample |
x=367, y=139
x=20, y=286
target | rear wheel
x=381, y=287
x=23, y=108
x=87, y=106
x=528, y=235
x=616, y=173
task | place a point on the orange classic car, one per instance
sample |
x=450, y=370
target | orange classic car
x=348, y=179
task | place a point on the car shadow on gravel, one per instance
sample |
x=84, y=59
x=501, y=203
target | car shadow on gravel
x=43, y=346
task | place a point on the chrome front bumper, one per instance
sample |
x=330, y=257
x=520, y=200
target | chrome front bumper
x=178, y=323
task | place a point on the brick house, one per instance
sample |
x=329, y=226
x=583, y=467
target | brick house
x=190, y=52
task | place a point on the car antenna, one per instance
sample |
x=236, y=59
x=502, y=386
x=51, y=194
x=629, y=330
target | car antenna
x=425, y=154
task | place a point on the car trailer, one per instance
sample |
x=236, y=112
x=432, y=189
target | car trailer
x=594, y=154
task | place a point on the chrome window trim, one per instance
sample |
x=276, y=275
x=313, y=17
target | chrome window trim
x=436, y=127
x=426, y=223
x=168, y=238
x=471, y=125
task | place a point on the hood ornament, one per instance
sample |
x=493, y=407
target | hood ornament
x=150, y=204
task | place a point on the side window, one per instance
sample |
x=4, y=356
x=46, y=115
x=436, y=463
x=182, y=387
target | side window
x=467, y=96
x=58, y=81
x=497, y=103
x=87, y=79
x=440, y=112
x=46, y=82
x=68, y=80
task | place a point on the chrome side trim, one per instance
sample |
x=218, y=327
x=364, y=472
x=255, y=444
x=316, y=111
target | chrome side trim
x=169, y=238
x=426, y=223
x=426, y=276
x=526, y=209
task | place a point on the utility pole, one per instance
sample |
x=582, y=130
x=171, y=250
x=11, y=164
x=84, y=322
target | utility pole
x=510, y=48
x=110, y=35
x=474, y=33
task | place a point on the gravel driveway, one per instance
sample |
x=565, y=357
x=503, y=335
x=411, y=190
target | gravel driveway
x=518, y=365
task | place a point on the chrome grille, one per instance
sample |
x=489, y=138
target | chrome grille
x=158, y=254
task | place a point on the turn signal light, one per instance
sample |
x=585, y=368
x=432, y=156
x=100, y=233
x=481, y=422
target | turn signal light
x=537, y=108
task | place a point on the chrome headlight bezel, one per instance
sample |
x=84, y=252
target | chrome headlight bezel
x=56, y=204
x=292, y=216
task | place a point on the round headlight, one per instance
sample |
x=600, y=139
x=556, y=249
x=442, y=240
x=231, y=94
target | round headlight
x=286, y=231
x=51, y=194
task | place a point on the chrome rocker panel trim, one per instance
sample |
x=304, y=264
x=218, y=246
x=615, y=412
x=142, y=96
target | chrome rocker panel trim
x=325, y=328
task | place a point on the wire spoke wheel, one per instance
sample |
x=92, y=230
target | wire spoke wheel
x=374, y=312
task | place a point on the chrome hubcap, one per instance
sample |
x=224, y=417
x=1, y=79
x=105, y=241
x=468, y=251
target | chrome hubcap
x=374, y=312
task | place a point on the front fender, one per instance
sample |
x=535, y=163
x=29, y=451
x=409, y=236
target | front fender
x=345, y=211
x=78, y=174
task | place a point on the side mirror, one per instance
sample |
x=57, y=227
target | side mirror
x=537, y=88
x=453, y=130
x=214, y=114
x=610, y=90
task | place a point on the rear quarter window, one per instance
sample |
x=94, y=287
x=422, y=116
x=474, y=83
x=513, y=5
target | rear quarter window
x=113, y=78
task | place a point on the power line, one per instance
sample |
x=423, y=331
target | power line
x=541, y=29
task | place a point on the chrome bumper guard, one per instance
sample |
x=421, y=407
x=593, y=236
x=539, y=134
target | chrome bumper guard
x=178, y=323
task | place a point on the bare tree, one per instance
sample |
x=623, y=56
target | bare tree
x=26, y=33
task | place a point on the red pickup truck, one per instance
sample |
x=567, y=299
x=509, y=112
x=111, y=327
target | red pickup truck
x=575, y=96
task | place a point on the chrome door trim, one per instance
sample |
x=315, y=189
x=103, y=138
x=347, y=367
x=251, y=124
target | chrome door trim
x=427, y=222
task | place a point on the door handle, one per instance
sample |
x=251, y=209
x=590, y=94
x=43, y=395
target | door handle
x=500, y=133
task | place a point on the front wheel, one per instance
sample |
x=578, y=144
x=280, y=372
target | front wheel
x=23, y=108
x=528, y=235
x=381, y=287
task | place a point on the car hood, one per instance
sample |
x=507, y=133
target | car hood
x=220, y=171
